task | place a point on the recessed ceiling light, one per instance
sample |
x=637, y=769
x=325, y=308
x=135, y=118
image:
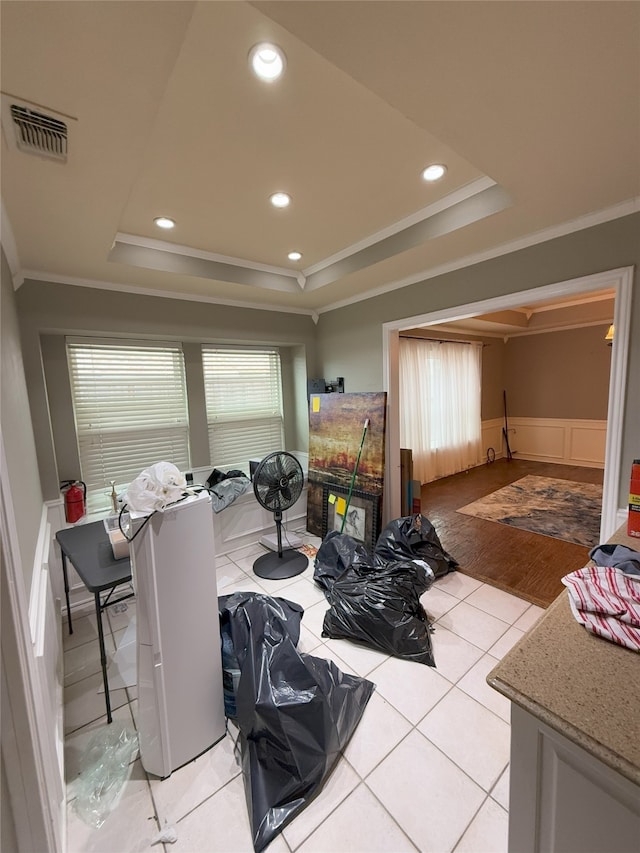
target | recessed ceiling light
x=280, y=200
x=434, y=172
x=267, y=61
x=294, y=256
x=164, y=222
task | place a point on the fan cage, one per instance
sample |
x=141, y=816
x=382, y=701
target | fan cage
x=278, y=481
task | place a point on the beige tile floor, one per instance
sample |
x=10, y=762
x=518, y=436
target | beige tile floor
x=427, y=768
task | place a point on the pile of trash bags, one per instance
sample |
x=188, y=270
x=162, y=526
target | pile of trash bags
x=375, y=600
x=295, y=712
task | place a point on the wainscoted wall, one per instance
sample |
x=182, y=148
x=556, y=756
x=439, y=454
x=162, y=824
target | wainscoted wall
x=565, y=441
x=46, y=637
x=492, y=438
x=570, y=442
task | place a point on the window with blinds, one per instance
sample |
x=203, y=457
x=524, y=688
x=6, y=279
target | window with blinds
x=130, y=407
x=243, y=393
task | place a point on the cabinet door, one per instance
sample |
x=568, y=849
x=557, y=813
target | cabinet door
x=563, y=799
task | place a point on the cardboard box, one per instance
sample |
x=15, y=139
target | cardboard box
x=633, y=523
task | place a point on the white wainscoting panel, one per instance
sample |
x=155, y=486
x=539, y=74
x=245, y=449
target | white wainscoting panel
x=564, y=441
x=587, y=443
x=44, y=622
x=492, y=437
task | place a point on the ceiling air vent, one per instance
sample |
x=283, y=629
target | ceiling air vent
x=37, y=133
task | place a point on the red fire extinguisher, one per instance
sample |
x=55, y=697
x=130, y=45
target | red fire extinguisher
x=75, y=500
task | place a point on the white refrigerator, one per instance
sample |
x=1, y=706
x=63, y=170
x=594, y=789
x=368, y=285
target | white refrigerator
x=180, y=697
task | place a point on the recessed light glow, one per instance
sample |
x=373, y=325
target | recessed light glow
x=294, y=256
x=280, y=200
x=434, y=172
x=164, y=222
x=267, y=61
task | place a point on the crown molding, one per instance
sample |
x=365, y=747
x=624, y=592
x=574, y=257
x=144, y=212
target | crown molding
x=54, y=278
x=187, y=251
x=444, y=203
x=625, y=208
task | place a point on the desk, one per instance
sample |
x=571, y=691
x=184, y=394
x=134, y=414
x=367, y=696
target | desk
x=88, y=549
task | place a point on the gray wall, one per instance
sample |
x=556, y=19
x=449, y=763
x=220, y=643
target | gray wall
x=559, y=374
x=17, y=434
x=350, y=338
x=48, y=311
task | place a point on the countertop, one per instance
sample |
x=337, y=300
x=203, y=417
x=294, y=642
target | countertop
x=584, y=687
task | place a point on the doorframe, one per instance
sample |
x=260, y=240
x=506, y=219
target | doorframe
x=620, y=280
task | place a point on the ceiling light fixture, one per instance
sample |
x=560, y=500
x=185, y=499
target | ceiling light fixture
x=294, y=256
x=280, y=200
x=434, y=172
x=164, y=222
x=267, y=61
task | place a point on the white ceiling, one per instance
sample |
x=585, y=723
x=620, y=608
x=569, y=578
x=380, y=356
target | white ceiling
x=534, y=107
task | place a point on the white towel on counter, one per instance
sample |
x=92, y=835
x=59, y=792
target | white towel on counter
x=607, y=602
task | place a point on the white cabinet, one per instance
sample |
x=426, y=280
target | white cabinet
x=565, y=800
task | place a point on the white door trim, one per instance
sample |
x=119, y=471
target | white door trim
x=621, y=280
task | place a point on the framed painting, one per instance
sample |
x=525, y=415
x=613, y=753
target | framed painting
x=336, y=425
x=361, y=517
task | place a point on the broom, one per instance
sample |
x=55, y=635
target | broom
x=353, y=476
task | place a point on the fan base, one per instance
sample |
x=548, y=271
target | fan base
x=270, y=541
x=275, y=567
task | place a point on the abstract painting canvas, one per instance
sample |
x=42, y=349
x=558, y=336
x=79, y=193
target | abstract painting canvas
x=336, y=428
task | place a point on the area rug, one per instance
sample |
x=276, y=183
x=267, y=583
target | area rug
x=561, y=509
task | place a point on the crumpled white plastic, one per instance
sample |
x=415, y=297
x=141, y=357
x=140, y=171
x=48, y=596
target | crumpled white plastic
x=155, y=488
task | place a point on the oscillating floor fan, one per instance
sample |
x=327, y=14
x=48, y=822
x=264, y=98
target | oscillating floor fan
x=277, y=484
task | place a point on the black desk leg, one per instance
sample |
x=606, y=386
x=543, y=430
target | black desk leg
x=103, y=656
x=66, y=591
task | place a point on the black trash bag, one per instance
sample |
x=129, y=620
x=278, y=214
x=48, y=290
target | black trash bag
x=337, y=553
x=296, y=713
x=217, y=476
x=380, y=608
x=413, y=538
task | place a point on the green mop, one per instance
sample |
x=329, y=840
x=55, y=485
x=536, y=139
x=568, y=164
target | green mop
x=353, y=476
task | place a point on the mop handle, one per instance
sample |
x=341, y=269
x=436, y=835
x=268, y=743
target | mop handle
x=353, y=476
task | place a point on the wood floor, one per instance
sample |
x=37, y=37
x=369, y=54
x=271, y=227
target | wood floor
x=528, y=565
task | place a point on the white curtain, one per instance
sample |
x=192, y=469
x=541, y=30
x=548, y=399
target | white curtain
x=440, y=385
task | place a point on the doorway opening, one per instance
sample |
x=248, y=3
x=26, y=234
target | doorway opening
x=619, y=280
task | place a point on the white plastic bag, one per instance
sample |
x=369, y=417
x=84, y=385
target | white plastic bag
x=155, y=488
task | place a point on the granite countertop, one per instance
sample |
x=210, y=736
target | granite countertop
x=583, y=686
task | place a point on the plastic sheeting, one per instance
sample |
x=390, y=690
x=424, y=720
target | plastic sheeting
x=295, y=712
x=413, y=538
x=155, y=488
x=377, y=605
x=224, y=493
x=106, y=765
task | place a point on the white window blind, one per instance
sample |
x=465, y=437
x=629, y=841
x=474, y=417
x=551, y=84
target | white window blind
x=243, y=393
x=130, y=406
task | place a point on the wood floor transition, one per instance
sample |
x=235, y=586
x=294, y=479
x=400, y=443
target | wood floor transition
x=528, y=565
